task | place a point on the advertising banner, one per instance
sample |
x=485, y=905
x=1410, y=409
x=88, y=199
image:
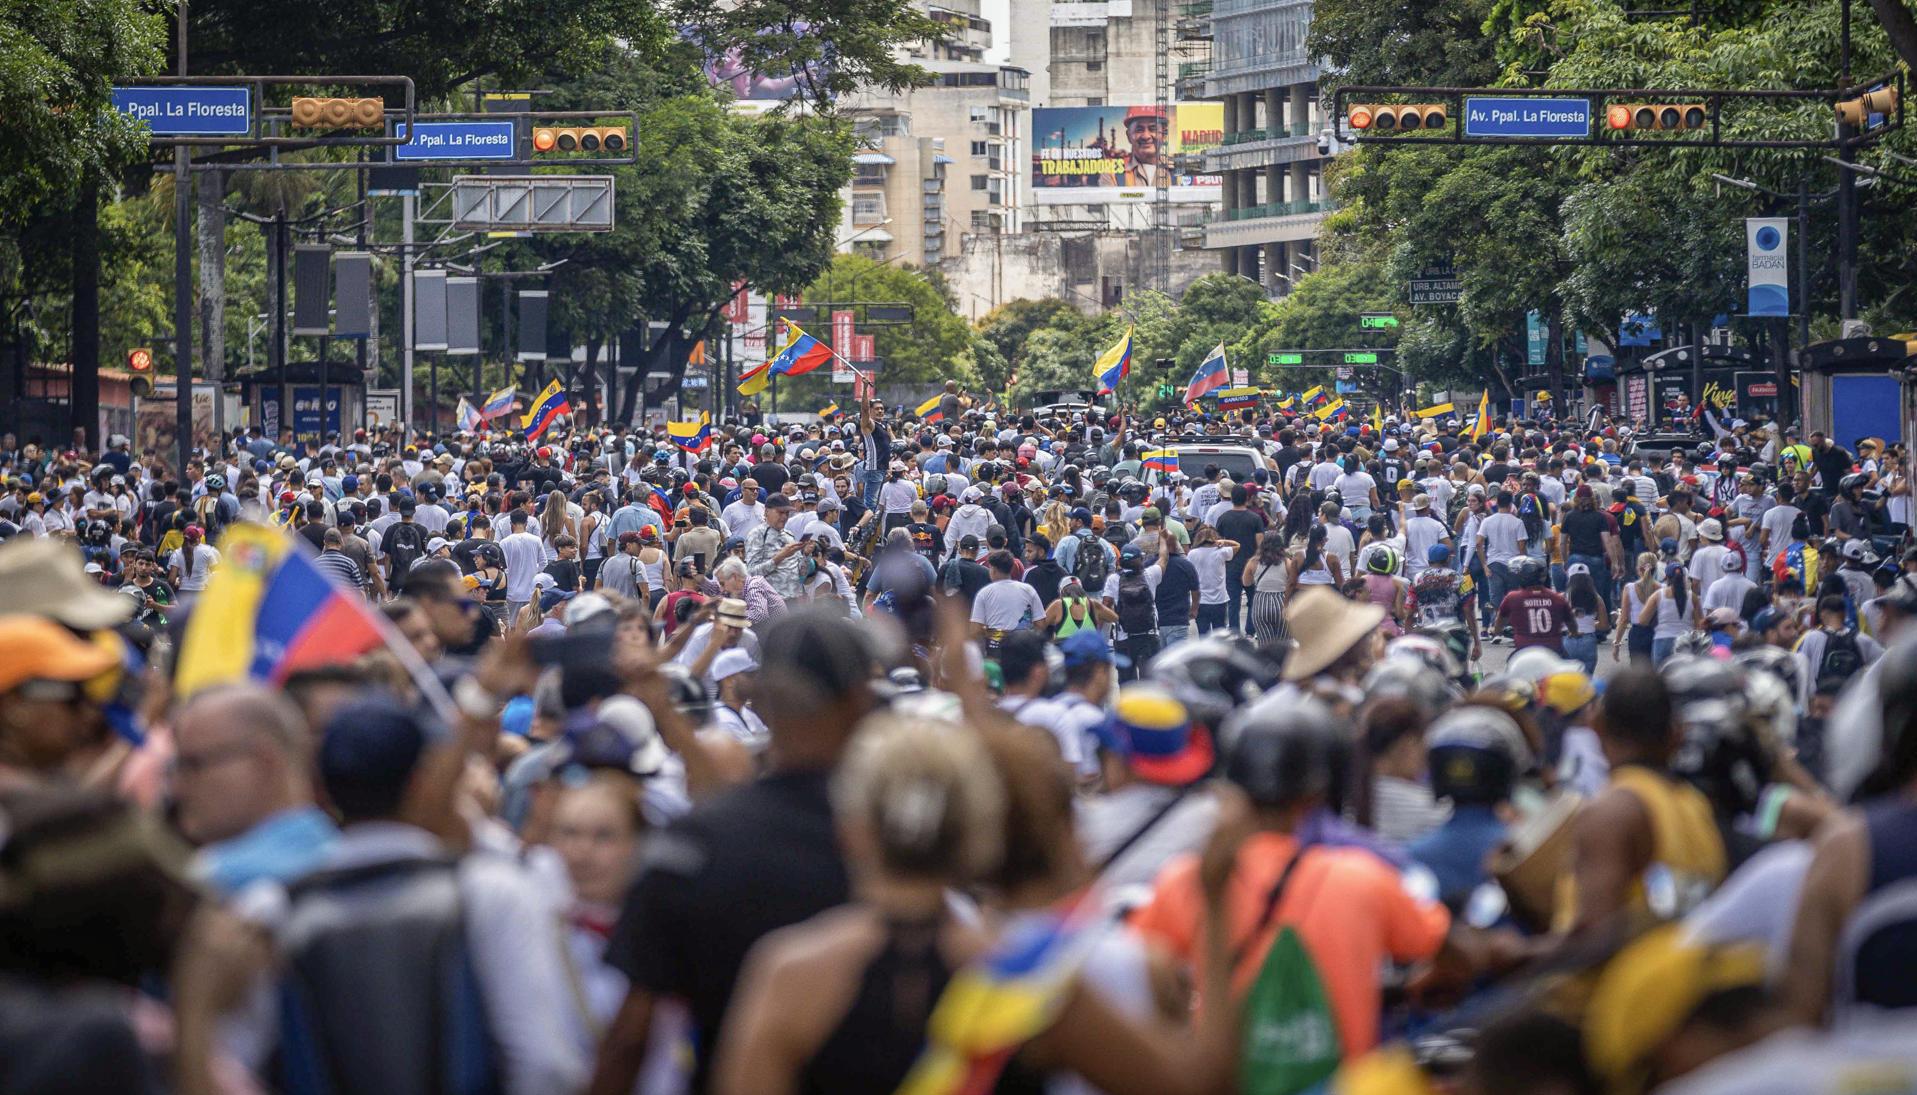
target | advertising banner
x=1100, y=155
x=1767, y=240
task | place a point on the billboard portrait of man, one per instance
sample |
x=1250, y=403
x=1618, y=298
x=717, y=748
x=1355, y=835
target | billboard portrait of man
x=1147, y=132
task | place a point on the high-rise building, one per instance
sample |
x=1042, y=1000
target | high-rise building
x=942, y=159
x=1270, y=163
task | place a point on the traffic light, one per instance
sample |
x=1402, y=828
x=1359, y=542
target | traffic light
x=590, y=138
x=316, y=113
x=1654, y=117
x=1393, y=118
x=139, y=362
x=1858, y=111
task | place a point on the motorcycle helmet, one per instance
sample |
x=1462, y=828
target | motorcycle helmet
x=1382, y=559
x=1476, y=755
x=1213, y=676
x=1285, y=749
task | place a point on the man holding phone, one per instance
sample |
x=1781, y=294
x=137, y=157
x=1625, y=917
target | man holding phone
x=773, y=553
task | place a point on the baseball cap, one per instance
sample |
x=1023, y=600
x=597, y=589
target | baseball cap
x=731, y=663
x=776, y=500
x=1158, y=738
x=587, y=606
x=36, y=648
x=1082, y=514
x=1649, y=991
x=1085, y=647
x=436, y=543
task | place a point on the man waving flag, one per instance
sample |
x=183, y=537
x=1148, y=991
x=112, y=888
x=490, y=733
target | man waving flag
x=1211, y=375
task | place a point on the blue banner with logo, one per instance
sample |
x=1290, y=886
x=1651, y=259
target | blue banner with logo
x=1767, y=241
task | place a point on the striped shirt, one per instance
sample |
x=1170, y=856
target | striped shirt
x=340, y=567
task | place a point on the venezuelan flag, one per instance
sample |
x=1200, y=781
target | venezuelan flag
x=1329, y=409
x=267, y=612
x=998, y=1003
x=1237, y=399
x=830, y=410
x=1114, y=364
x=801, y=354
x=1435, y=411
x=468, y=418
x=498, y=403
x=1286, y=404
x=1315, y=392
x=550, y=405
x=661, y=503
x=1377, y=419
x=1162, y=460
x=1211, y=375
x=929, y=410
x=1484, y=416
x=691, y=436
x=753, y=381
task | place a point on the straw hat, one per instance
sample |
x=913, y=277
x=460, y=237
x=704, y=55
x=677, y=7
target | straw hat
x=1325, y=626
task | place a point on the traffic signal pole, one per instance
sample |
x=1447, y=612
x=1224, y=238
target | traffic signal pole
x=183, y=286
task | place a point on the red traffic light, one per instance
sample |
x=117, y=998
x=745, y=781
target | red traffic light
x=140, y=360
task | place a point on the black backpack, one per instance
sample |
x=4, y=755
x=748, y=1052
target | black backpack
x=1842, y=656
x=405, y=543
x=1137, y=608
x=1091, y=566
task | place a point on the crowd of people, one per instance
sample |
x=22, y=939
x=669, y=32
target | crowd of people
x=984, y=750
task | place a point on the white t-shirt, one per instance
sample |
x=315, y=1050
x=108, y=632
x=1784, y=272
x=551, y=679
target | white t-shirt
x=1728, y=592
x=1050, y=717
x=1503, y=537
x=1006, y=605
x=1419, y=534
x=1707, y=565
x=1338, y=542
x=525, y=558
x=1777, y=523
x=1356, y=487
x=1209, y=561
x=204, y=556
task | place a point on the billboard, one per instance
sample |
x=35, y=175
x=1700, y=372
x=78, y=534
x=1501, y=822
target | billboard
x=1095, y=155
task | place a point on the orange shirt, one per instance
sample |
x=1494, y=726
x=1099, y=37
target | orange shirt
x=1348, y=906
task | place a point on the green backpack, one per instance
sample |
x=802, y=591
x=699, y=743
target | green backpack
x=1290, y=1034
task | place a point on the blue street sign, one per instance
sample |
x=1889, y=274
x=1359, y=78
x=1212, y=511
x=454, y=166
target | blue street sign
x=1512, y=116
x=188, y=111
x=458, y=141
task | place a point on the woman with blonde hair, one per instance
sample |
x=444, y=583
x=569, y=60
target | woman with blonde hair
x=843, y=1002
x=1631, y=600
x=555, y=520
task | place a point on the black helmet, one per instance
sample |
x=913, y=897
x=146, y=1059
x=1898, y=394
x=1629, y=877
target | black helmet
x=1718, y=750
x=1214, y=676
x=99, y=533
x=1284, y=749
x=1526, y=571
x=1851, y=482
x=1410, y=679
x=1476, y=755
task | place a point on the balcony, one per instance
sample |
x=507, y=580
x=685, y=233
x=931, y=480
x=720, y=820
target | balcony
x=1269, y=133
x=1272, y=222
x=1282, y=209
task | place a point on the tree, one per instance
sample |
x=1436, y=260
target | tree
x=931, y=347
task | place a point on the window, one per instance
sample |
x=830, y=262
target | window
x=978, y=148
x=981, y=219
x=980, y=113
x=979, y=181
x=867, y=208
x=1094, y=100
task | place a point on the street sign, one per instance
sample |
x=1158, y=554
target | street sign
x=1377, y=321
x=1240, y=377
x=1523, y=116
x=1285, y=359
x=458, y=141
x=1435, y=291
x=188, y=111
x=536, y=203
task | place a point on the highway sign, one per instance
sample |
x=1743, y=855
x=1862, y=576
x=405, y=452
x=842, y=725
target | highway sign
x=188, y=111
x=458, y=141
x=533, y=203
x=1435, y=291
x=1524, y=116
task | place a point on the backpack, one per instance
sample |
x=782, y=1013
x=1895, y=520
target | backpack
x=952, y=580
x=405, y=543
x=1842, y=656
x=1137, y=608
x=1091, y=566
x=1289, y=1037
x=378, y=990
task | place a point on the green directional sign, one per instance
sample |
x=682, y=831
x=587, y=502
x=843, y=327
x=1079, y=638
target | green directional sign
x=1287, y=359
x=1361, y=357
x=1377, y=321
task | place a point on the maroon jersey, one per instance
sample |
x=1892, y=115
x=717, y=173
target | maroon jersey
x=1538, y=617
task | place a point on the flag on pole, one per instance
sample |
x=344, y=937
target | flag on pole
x=753, y=381
x=801, y=353
x=929, y=410
x=468, y=418
x=550, y=405
x=1329, y=409
x=1114, y=364
x=1211, y=375
x=1285, y=405
x=1484, y=416
x=1315, y=392
x=1435, y=411
x=693, y=436
x=498, y=403
x=268, y=612
x=830, y=410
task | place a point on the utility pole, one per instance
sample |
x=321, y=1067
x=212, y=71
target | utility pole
x=407, y=204
x=182, y=284
x=1846, y=191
